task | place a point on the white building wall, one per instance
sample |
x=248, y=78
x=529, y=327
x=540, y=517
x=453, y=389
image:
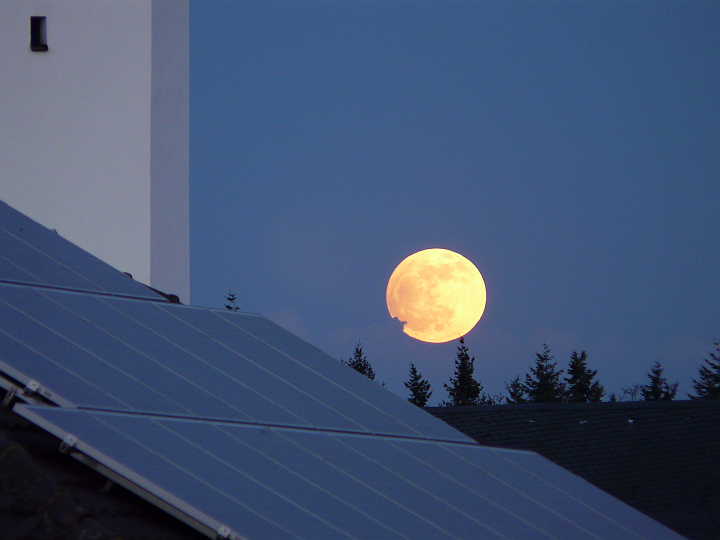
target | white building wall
x=170, y=143
x=81, y=149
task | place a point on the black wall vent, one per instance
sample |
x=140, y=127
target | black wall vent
x=38, y=34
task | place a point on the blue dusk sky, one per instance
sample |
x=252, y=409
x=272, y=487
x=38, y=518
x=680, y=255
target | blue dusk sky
x=571, y=150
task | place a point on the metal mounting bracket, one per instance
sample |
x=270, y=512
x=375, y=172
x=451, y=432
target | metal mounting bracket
x=9, y=398
x=68, y=443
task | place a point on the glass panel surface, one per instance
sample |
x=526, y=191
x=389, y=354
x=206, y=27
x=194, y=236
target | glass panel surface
x=12, y=273
x=570, y=494
x=46, y=270
x=139, y=445
x=33, y=366
x=42, y=333
x=277, y=483
x=361, y=403
x=269, y=459
x=225, y=366
x=475, y=502
x=516, y=491
x=52, y=260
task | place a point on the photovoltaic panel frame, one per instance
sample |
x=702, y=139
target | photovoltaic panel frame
x=30, y=254
x=123, y=354
x=270, y=482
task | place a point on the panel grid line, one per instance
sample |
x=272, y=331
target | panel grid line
x=193, y=475
x=549, y=509
x=352, y=421
x=99, y=288
x=87, y=351
x=309, y=481
x=320, y=375
x=109, y=294
x=367, y=486
x=284, y=427
x=220, y=371
x=484, y=497
x=246, y=475
x=151, y=359
x=569, y=495
x=50, y=360
x=416, y=486
x=349, y=476
x=41, y=281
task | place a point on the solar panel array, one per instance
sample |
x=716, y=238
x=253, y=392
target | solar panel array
x=122, y=354
x=298, y=483
x=245, y=431
x=31, y=254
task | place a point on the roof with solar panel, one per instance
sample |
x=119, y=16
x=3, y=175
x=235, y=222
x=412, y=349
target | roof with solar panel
x=241, y=430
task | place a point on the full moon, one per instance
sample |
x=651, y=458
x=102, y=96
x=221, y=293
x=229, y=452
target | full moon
x=437, y=294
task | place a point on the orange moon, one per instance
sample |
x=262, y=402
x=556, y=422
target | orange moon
x=437, y=294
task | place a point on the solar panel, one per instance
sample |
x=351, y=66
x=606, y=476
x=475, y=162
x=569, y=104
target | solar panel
x=32, y=254
x=257, y=482
x=243, y=430
x=123, y=354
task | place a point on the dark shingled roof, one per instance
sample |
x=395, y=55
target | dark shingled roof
x=662, y=458
x=48, y=495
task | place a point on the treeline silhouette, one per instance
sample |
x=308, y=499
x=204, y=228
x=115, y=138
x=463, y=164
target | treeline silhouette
x=545, y=383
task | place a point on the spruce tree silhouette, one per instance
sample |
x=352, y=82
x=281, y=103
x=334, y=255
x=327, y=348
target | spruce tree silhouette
x=544, y=385
x=463, y=388
x=360, y=363
x=580, y=385
x=419, y=388
x=658, y=388
x=708, y=386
